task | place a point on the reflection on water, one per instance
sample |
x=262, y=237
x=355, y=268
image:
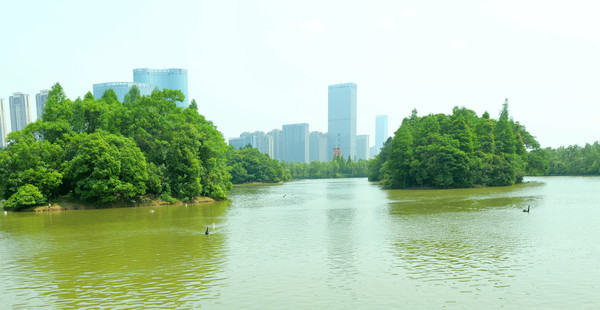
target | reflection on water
x=337, y=244
x=113, y=257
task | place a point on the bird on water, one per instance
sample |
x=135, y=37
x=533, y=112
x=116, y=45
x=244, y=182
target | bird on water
x=206, y=233
x=527, y=209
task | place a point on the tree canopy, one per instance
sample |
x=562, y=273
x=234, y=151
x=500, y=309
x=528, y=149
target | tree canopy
x=574, y=160
x=249, y=165
x=457, y=150
x=102, y=150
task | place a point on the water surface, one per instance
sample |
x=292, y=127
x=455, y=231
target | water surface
x=338, y=244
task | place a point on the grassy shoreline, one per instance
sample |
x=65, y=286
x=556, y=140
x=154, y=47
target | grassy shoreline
x=69, y=204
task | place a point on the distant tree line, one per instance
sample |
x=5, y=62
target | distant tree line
x=574, y=160
x=458, y=150
x=337, y=168
x=248, y=165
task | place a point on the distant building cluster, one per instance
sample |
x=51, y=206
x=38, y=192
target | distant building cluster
x=295, y=142
x=19, y=111
x=146, y=81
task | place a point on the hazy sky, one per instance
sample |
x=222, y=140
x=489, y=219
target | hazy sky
x=256, y=65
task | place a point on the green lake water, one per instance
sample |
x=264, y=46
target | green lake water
x=315, y=244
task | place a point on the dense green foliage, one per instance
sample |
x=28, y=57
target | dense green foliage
x=26, y=196
x=249, y=165
x=574, y=160
x=102, y=150
x=458, y=150
x=337, y=168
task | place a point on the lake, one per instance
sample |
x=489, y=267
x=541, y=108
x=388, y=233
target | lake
x=314, y=244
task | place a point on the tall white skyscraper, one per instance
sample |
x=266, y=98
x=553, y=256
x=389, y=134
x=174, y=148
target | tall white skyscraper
x=2, y=124
x=381, y=131
x=341, y=125
x=40, y=102
x=19, y=111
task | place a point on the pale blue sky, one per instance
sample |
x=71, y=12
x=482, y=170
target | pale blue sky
x=256, y=65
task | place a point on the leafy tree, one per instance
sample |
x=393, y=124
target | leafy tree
x=484, y=134
x=26, y=196
x=106, y=168
x=29, y=161
x=503, y=133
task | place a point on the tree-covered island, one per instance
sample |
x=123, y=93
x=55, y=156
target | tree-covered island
x=99, y=150
x=457, y=151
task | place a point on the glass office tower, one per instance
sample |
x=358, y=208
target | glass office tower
x=19, y=111
x=341, y=124
x=174, y=78
x=121, y=89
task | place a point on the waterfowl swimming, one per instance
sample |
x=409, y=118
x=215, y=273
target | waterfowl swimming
x=206, y=233
x=151, y=211
x=527, y=209
x=213, y=225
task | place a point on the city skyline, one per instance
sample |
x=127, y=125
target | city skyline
x=269, y=62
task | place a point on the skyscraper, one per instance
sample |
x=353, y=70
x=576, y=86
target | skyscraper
x=341, y=124
x=2, y=124
x=362, y=147
x=315, y=147
x=40, y=102
x=121, y=89
x=275, y=135
x=174, y=78
x=19, y=111
x=295, y=138
x=381, y=131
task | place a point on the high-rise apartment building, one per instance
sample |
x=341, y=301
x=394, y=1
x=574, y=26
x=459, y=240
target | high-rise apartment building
x=341, y=124
x=40, y=102
x=381, y=131
x=362, y=147
x=295, y=138
x=174, y=78
x=2, y=124
x=121, y=89
x=19, y=111
x=275, y=135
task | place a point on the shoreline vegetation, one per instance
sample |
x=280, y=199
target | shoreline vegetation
x=101, y=152
x=66, y=204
